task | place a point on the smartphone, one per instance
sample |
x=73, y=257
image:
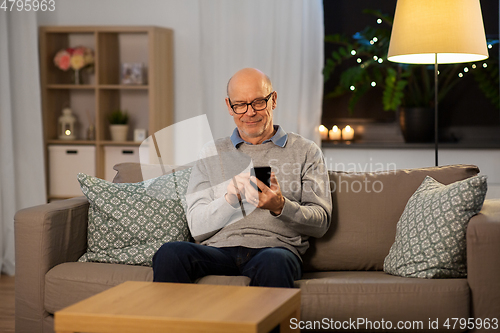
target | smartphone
x=263, y=174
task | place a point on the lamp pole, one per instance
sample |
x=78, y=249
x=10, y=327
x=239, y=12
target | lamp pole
x=436, y=107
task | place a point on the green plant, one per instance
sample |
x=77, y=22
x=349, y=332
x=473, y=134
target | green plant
x=118, y=117
x=364, y=65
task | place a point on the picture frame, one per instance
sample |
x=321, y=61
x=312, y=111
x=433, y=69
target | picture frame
x=133, y=73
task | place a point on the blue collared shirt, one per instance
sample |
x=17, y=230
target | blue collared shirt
x=279, y=138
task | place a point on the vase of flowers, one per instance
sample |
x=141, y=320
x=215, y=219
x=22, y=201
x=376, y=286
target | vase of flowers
x=76, y=58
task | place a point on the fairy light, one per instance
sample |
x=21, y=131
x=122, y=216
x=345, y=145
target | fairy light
x=353, y=52
x=379, y=21
x=380, y=60
x=373, y=83
x=372, y=42
x=460, y=75
x=375, y=58
x=466, y=69
x=359, y=60
x=485, y=65
x=474, y=66
x=490, y=46
x=375, y=39
x=352, y=88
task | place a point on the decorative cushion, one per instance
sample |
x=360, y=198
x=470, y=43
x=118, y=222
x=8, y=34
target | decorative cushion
x=128, y=222
x=430, y=235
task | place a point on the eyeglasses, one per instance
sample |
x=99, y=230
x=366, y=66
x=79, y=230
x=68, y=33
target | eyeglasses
x=258, y=104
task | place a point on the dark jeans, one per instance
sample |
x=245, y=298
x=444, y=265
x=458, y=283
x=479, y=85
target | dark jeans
x=185, y=262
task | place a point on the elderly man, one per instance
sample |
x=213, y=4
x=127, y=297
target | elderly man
x=241, y=230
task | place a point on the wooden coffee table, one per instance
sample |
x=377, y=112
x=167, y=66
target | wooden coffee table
x=171, y=307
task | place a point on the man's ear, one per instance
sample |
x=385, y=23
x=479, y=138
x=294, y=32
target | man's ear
x=275, y=99
x=229, y=109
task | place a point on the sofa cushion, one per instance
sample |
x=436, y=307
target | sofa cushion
x=71, y=282
x=373, y=296
x=430, y=237
x=366, y=209
x=128, y=222
x=130, y=172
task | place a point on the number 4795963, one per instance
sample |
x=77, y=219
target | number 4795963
x=28, y=5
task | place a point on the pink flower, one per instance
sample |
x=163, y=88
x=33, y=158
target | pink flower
x=62, y=60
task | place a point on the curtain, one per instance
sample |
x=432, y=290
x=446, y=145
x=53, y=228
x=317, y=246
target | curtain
x=22, y=175
x=283, y=38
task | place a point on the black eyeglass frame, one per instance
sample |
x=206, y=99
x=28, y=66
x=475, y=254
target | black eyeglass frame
x=247, y=104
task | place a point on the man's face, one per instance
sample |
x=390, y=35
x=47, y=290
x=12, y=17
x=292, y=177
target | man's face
x=254, y=126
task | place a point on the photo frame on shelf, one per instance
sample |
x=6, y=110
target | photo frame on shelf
x=133, y=73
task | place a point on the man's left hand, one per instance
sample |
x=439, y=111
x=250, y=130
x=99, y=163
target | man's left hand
x=270, y=198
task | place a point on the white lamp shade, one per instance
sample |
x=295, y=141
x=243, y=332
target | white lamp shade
x=451, y=28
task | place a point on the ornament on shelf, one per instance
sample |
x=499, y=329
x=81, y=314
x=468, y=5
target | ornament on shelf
x=67, y=125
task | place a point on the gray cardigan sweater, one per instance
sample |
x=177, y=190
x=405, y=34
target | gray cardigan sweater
x=301, y=172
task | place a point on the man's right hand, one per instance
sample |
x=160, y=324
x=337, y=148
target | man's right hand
x=238, y=187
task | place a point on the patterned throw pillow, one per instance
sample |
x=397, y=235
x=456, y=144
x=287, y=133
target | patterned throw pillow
x=430, y=236
x=128, y=222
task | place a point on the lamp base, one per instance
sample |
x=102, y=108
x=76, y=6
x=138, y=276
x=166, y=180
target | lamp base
x=417, y=124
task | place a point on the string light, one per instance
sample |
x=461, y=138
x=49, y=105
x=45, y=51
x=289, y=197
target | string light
x=379, y=21
x=466, y=69
x=474, y=66
x=460, y=75
x=353, y=52
x=380, y=60
x=490, y=46
x=374, y=83
x=375, y=39
x=375, y=58
x=352, y=87
x=372, y=42
x=359, y=60
x=485, y=65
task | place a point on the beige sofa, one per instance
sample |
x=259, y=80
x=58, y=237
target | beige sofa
x=343, y=280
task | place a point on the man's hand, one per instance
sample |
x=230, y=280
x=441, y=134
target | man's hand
x=237, y=188
x=270, y=198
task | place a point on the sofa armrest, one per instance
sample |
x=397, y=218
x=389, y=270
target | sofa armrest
x=45, y=236
x=483, y=261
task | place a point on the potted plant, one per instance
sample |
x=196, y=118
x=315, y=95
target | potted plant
x=408, y=89
x=118, y=125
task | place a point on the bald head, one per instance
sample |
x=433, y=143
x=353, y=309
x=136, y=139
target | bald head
x=249, y=76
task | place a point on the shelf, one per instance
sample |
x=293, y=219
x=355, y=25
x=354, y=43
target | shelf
x=149, y=105
x=71, y=86
x=123, y=87
x=70, y=142
x=119, y=143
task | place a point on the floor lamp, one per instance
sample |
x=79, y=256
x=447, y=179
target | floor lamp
x=437, y=32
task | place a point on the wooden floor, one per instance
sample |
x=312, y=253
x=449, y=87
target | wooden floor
x=6, y=304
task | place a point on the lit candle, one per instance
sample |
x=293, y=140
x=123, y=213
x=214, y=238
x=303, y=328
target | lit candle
x=323, y=132
x=335, y=133
x=348, y=133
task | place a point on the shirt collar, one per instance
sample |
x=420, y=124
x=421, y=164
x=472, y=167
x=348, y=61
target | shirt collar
x=279, y=138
